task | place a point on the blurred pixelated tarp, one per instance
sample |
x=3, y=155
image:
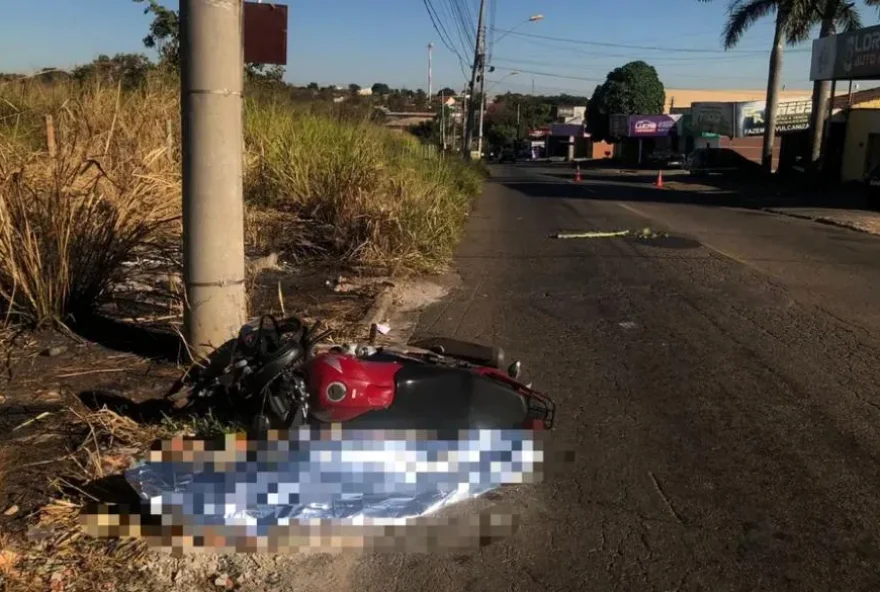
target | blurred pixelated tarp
x=324, y=474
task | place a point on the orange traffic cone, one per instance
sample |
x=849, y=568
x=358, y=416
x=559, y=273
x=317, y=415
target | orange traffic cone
x=577, y=174
x=659, y=182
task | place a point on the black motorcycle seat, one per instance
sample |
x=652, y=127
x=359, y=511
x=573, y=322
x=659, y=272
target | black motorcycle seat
x=475, y=353
x=429, y=397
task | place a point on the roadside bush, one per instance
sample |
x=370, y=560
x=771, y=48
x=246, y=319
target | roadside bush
x=361, y=192
x=317, y=183
x=68, y=221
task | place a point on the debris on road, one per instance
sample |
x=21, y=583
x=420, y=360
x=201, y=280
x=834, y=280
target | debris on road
x=591, y=234
x=648, y=233
x=644, y=233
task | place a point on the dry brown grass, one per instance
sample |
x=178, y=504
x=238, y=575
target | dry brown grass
x=59, y=554
x=315, y=185
x=68, y=220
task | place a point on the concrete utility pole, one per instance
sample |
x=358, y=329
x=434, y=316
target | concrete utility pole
x=430, y=74
x=212, y=79
x=478, y=66
x=443, y=121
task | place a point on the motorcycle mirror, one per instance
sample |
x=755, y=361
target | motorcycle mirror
x=514, y=369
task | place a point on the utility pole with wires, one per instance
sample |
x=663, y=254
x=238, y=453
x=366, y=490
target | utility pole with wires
x=478, y=70
x=430, y=73
x=443, y=121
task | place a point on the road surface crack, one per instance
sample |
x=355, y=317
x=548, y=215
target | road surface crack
x=665, y=499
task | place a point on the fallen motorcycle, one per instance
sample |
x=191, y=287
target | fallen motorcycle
x=280, y=375
x=480, y=429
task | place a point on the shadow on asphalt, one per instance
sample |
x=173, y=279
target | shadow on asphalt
x=739, y=190
x=639, y=188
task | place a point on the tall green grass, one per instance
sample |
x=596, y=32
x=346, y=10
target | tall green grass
x=361, y=191
x=318, y=183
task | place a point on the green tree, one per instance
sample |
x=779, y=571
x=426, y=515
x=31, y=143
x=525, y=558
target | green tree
x=397, y=101
x=164, y=33
x=634, y=88
x=511, y=116
x=164, y=37
x=598, y=116
x=421, y=99
x=427, y=131
x=380, y=88
x=354, y=89
x=128, y=69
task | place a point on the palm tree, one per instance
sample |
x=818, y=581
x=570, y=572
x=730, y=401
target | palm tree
x=834, y=15
x=794, y=20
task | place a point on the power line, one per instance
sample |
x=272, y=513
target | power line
x=493, y=11
x=654, y=60
x=441, y=31
x=438, y=27
x=528, y=86
x=550, y=74
x=459, y=24
x=639, y=47
x=518, y=61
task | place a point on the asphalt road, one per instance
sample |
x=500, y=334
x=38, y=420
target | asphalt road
x=720, y=390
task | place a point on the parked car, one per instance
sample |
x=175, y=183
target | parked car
x=705, y=161
x=667, y=159
x=507, y=156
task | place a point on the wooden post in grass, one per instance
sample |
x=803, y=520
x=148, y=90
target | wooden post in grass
x=50, y=136
x=169, y=139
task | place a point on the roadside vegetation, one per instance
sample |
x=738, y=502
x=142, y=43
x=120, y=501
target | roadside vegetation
x=90, y=175
x=90, y=187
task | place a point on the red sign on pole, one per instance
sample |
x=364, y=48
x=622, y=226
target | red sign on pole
x=265, y=33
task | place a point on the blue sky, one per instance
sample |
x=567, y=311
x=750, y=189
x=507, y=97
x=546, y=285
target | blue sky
x=343, y=41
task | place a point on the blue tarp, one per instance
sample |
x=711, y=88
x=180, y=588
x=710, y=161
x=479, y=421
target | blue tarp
x=331, y=473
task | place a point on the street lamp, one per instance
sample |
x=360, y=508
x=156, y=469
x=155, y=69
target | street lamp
x=532, y=19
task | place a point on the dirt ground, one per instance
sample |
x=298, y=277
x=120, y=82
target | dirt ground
x=76, y=407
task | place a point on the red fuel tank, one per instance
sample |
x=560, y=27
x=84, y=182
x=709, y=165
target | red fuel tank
x=343, y=386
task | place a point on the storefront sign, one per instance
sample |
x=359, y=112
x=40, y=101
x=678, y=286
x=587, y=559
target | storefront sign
x=855, y=56
x=687, y=129
x=713, y=118
x=652, y=126
x=790, y=116
x=568, y=129
x=858, y=53
x=570, y=114
x=824, y=58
